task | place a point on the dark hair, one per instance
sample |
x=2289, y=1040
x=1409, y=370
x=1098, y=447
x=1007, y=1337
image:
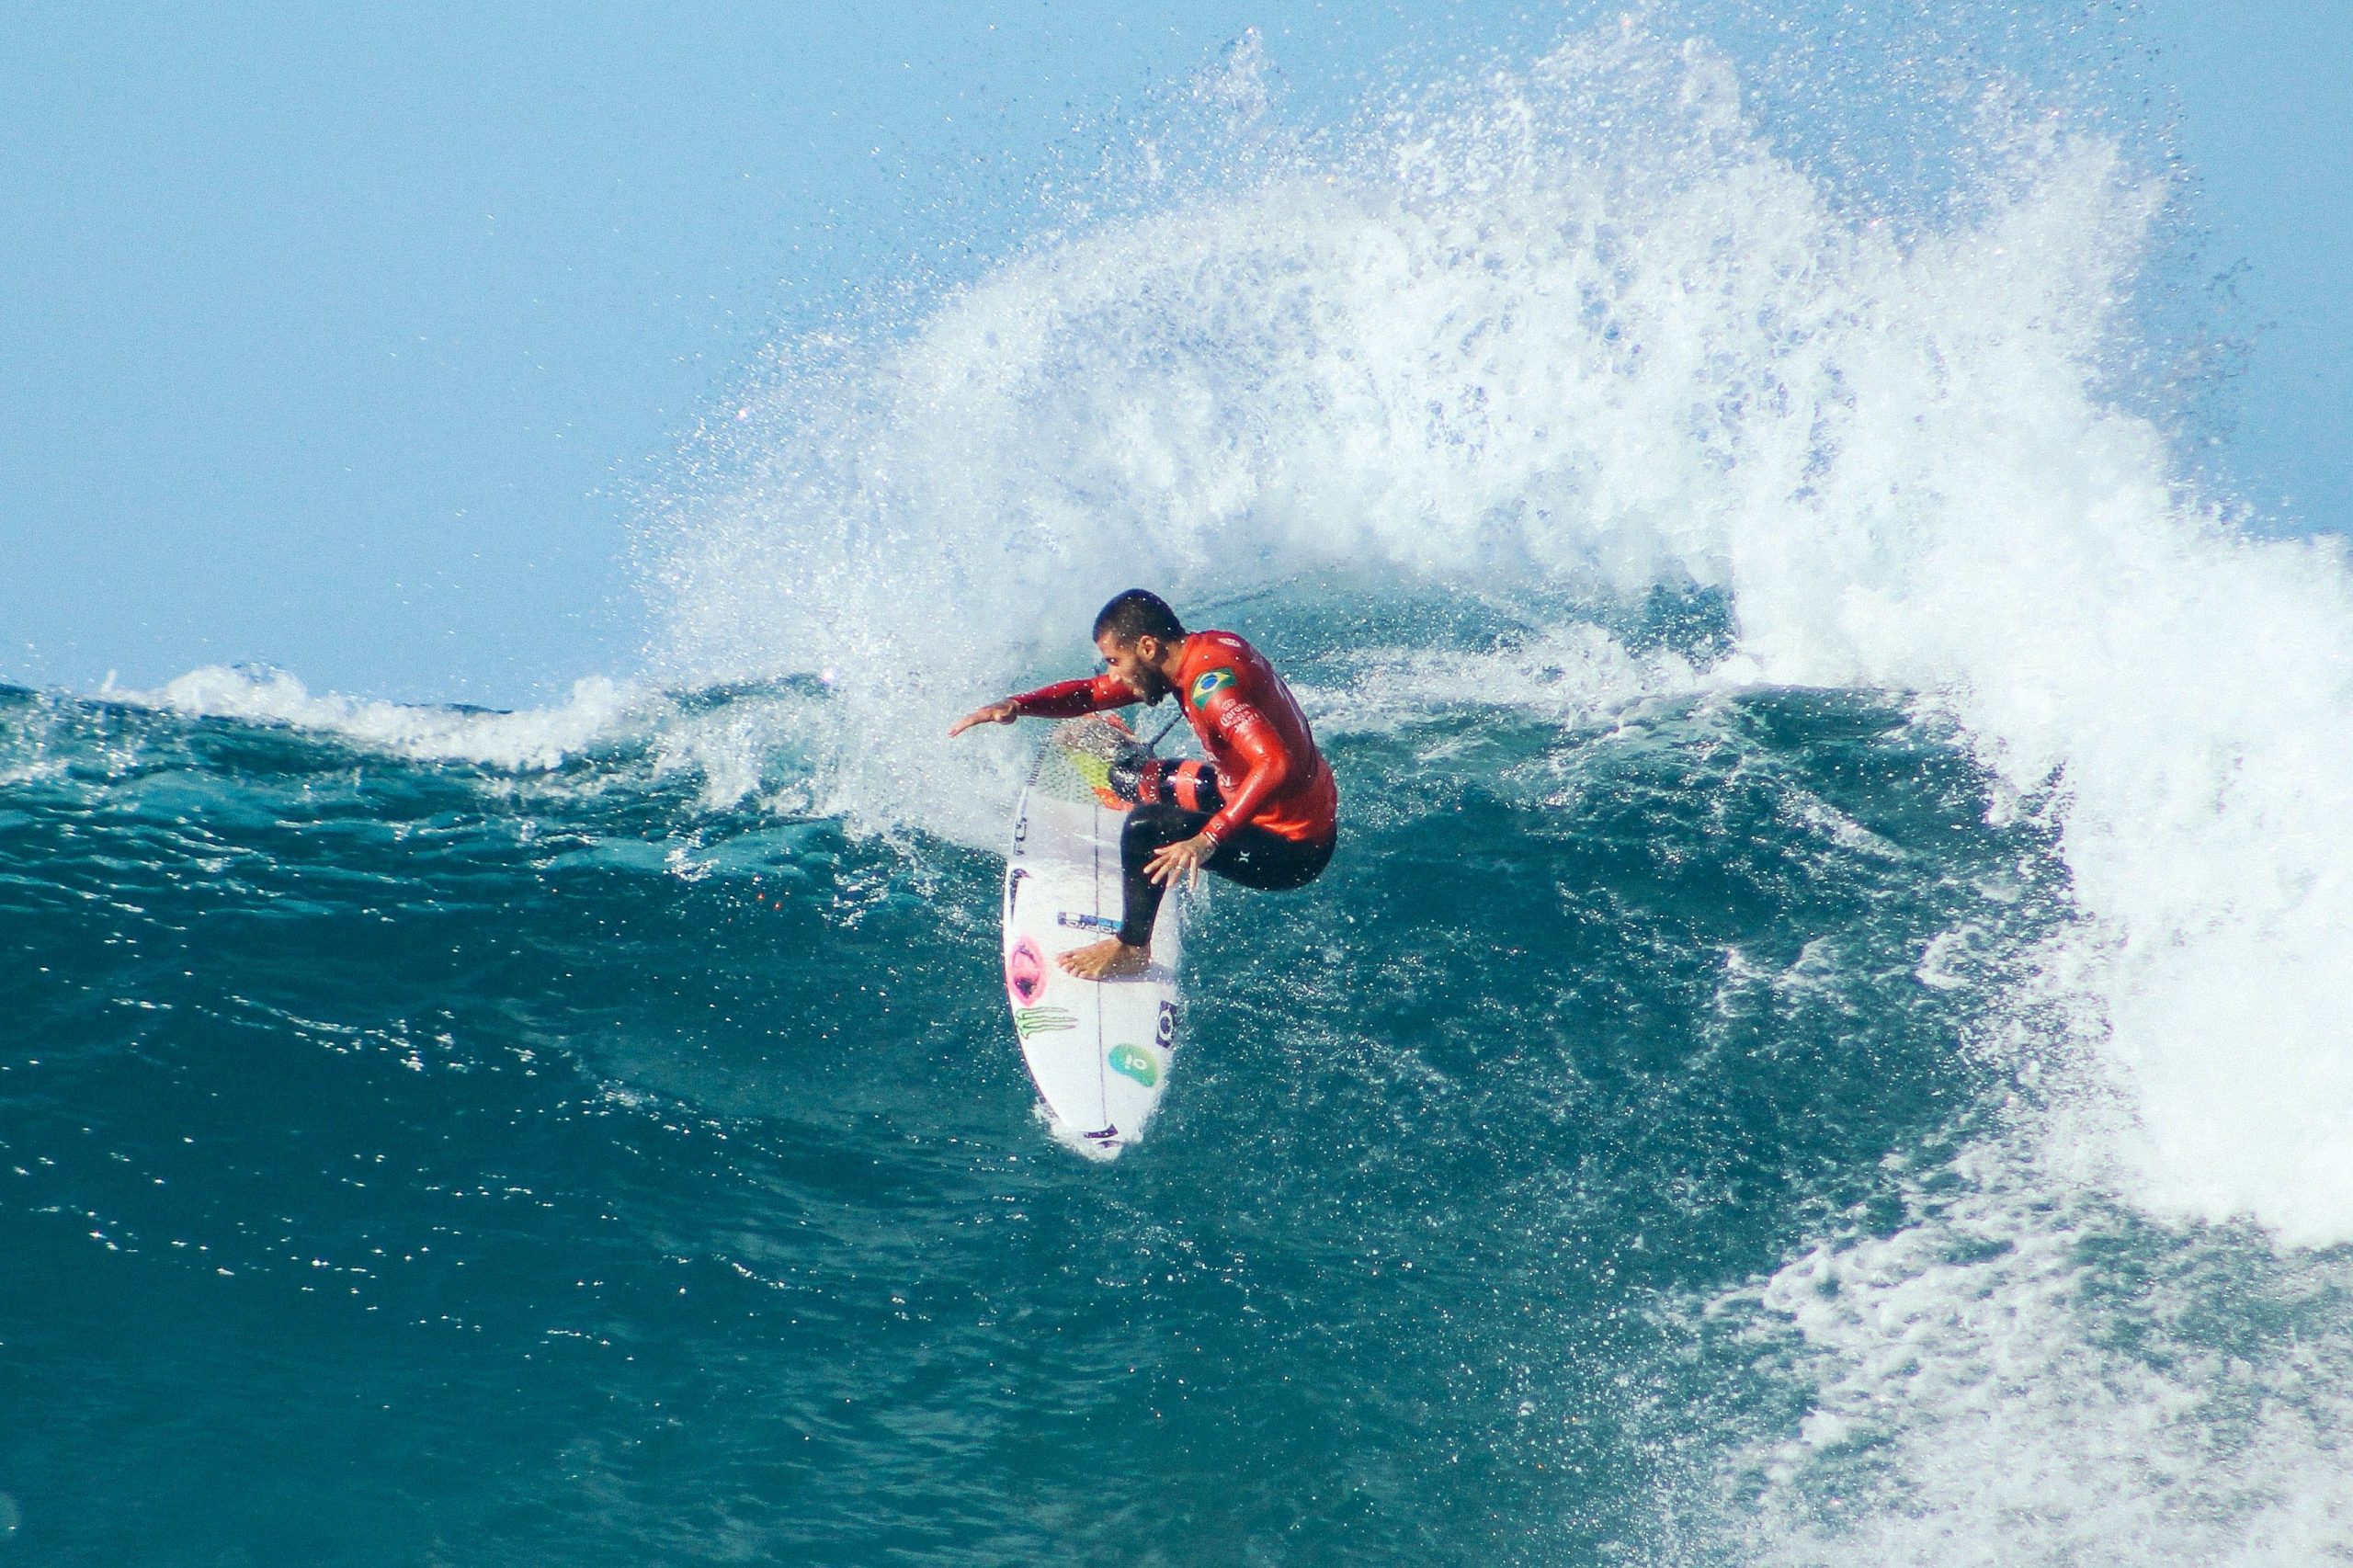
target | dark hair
x=1139, y=614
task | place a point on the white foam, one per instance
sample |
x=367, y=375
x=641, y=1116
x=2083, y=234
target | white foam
x=525, y=741
x=2020, y=1377
x=1569, y=676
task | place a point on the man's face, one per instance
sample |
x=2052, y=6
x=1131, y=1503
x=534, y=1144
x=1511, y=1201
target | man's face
x=1133, y=661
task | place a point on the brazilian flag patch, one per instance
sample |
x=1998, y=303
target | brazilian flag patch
x=1211, y=682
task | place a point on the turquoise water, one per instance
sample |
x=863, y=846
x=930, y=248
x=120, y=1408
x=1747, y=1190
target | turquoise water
x=1822, y=1042
x=410, y=1167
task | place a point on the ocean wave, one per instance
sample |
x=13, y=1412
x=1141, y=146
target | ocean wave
x=1583, y=330
x=1844, y=899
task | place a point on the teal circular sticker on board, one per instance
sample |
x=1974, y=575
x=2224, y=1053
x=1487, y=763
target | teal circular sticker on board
x=1135, y=1061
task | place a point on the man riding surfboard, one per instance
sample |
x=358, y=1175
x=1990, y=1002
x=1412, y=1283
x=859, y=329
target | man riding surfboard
x=1263, y=813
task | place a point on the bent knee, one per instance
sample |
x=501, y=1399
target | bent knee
x=1150, y=829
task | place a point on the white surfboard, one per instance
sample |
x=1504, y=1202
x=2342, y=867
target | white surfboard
x=1098, y=1050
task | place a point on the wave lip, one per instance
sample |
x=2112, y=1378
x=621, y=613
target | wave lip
x=530, y=740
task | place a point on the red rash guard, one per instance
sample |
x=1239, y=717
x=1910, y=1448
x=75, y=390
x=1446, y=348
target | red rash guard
x=1267, y=767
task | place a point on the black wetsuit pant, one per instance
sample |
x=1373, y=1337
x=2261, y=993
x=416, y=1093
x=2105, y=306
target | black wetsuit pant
x=1250, y=856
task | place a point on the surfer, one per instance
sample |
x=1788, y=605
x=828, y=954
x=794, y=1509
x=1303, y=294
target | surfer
x=1264, y=811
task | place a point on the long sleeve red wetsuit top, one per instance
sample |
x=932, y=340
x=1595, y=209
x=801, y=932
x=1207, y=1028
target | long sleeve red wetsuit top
x=1267, y=767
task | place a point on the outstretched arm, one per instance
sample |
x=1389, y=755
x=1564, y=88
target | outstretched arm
x=1063, y=700
x=1003, y=712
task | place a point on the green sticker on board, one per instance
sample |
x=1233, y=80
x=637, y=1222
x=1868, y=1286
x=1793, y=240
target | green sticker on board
x=1028, y=1021
x=1135, y=1061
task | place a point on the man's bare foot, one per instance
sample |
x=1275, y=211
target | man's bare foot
x=1106, y=959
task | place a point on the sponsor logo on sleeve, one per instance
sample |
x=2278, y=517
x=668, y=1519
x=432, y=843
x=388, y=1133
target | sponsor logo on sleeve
x=1135, y=1061
x=1209, y=683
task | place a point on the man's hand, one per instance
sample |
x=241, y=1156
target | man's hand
x=1003, y=713
x=1183, y=858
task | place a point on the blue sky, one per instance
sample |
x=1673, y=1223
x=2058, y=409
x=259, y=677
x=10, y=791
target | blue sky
x=2266, y=96
x=341, y=338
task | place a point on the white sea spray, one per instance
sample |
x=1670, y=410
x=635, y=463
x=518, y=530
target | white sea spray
x=1584, y=329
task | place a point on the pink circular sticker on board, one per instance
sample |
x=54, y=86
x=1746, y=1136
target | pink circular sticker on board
x=1025, y=973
